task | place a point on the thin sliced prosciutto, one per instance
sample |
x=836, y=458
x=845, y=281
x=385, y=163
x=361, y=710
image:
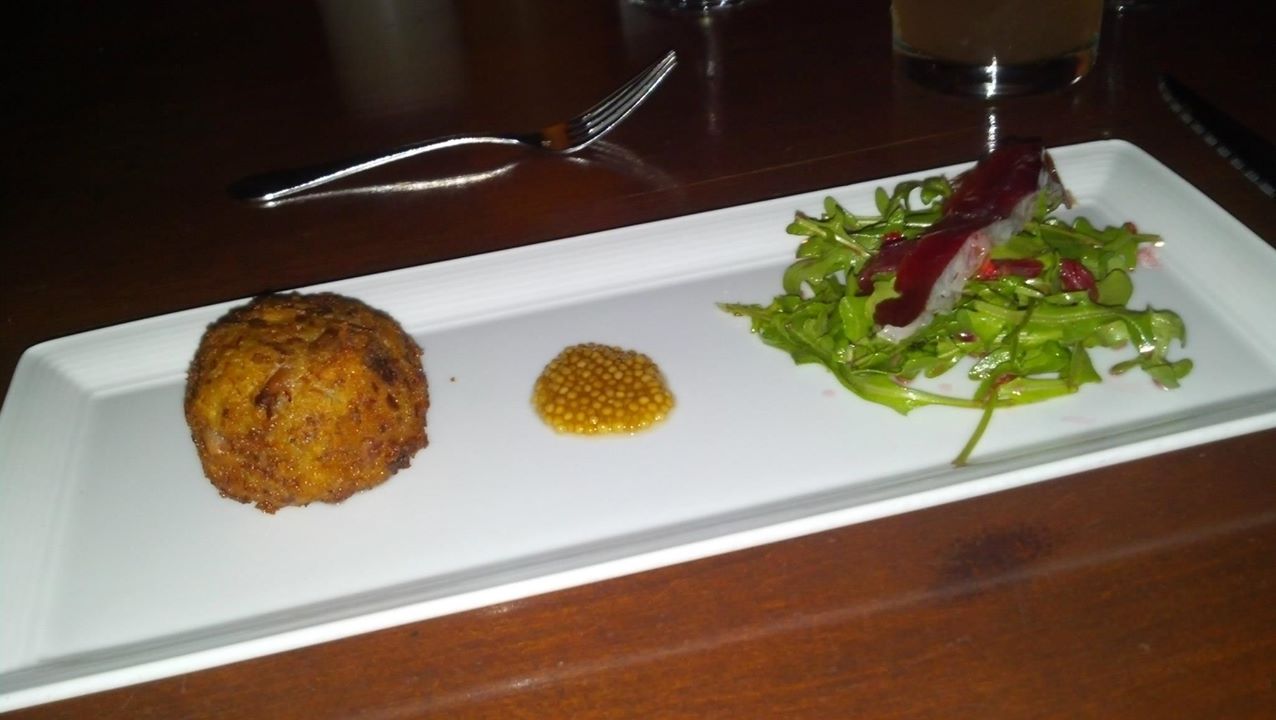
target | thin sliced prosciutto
x=990, y=202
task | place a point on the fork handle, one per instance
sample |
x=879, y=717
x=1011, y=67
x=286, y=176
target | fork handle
x=282, y=183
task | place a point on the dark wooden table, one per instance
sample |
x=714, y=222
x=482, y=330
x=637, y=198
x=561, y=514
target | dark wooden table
x=1146, y=589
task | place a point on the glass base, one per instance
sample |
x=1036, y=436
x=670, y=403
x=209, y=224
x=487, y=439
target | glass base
x=694, y=7
x=992, y=81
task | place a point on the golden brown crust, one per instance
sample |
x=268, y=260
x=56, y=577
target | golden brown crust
x=293, y=399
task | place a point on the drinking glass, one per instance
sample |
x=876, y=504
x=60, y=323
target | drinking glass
x=996, y=48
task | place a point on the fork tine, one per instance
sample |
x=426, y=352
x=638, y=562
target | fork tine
x=670, y=58
x=602, y=117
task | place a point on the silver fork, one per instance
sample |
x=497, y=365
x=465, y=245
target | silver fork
x=564, y=137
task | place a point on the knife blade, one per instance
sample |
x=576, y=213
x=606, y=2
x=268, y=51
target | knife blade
x=1254, y=156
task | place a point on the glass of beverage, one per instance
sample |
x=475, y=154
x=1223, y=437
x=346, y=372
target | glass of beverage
x=996, y=48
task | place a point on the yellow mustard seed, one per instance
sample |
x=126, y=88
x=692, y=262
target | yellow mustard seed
x=593, y=389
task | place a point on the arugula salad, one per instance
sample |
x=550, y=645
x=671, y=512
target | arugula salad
x=1027, y=319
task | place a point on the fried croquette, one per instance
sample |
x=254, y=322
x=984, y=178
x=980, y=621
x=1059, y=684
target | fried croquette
x=293, y=399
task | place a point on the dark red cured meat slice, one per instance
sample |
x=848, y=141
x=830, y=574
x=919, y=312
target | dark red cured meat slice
x=931, y=253
x=989, y=193
x=998, y=182
x=887, y=259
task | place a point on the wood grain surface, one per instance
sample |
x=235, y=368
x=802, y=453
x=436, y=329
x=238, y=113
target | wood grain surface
x=1143, y=590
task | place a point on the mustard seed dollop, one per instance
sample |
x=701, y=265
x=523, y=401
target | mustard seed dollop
x=593, y=389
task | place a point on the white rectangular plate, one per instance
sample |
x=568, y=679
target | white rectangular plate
x=119, y=562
